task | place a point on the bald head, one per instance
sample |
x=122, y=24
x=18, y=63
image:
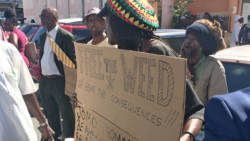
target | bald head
x=49, y=18
x=50, y=11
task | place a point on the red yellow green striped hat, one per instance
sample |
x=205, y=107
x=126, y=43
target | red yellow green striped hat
x=135, y=12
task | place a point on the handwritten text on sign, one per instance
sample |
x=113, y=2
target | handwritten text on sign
x=142, y=94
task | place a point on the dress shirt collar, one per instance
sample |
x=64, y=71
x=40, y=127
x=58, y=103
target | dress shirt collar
x=53, y=31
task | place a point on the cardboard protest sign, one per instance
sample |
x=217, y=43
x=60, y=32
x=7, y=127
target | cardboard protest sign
x=70, y=80
x=93, y=127
x=128, y=96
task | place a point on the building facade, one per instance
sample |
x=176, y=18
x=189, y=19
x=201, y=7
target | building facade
x=224, y=8
x=66, y=8
x=8, y=3
x=245, y=9
x=77, y=8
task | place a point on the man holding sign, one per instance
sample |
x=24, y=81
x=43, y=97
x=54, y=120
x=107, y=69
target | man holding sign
x=57, y=49
x=138, y=20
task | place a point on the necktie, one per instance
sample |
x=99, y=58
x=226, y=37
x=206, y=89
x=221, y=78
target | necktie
x=60, y=53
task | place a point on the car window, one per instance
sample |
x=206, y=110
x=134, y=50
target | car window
x=74, y=23
x=81, y=33
x=238, y=75
x=175, y=42
x=71, y=21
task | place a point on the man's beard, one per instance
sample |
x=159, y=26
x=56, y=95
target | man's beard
x=192, y=55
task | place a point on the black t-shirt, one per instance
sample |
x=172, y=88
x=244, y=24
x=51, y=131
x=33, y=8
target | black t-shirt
x=244, y=35
x=193, y=103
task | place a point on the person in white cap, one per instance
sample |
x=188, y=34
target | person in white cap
x=96, y=25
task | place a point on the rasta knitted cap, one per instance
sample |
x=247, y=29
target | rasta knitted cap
x=138, y=13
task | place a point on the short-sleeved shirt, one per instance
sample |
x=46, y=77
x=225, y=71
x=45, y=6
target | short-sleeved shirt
x=104, y=43
x=15, y=81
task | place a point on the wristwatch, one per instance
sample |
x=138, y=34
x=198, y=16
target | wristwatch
x=43, y=124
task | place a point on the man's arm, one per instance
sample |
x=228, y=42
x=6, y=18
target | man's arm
x=194, y=114
x=191, y=128
x=34, y=108
x=27, y=87
x=13, y=39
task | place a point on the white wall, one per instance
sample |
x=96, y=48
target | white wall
x=51, y=3
x=90, y=4
x=75, y=8
x=63, y=9
x=66, y=8
x=246, y=11
x=32, y=9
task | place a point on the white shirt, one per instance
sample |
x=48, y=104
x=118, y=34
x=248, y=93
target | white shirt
x=235, y=33
x=15, y=81
x=104, y=43
x=48, y=64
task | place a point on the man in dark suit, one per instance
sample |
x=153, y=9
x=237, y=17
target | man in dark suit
x=227, y=117
x=55, y=103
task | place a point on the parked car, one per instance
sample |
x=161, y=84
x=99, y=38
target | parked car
x=73, y=25
x=30, y=29
x=80, y=32
x=71, y=21
x=173, y=37
x=77, y=28
x=236, y=61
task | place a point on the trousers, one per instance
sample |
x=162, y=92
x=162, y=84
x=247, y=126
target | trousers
x=57, y=106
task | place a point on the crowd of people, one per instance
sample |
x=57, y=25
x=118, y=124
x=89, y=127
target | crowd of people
x=207, y=102
x=241, y=31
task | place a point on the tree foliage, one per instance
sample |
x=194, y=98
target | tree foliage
x=179, y=9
